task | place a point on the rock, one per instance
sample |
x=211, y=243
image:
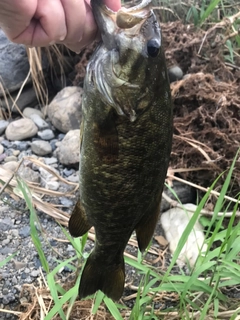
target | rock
x=1, y=149
x=174, y=223
x=68, y=172
x=28, y=174
x=53, y=144
x=7, y=144
x=10, y=159
x=15, y=153
x=41, y=148
x=2, y=157
x=74, y=177
x=11, y=166
x=21, y=129
x=175, y=73
x=66, y=202
x=27, y=98
x=28, y=112
x=39, y=122
x=52, y=185
x=185, y=193
x=69, y=149
x=65, y=109
x=14, y=63
x=3, y=126
x=24, y=232
x=50, y=161
x=21, y=145
x=46, y=134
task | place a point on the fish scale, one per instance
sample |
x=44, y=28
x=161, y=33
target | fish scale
x=126, y=136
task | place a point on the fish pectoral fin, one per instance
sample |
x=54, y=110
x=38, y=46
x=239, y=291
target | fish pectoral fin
x=99, y=276
x=78, y=224
x=146, y=227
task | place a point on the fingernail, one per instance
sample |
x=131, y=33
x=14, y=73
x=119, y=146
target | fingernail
x=61, y=38
x=52, y=42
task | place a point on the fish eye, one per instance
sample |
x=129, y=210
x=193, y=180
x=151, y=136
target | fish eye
x=153, y=48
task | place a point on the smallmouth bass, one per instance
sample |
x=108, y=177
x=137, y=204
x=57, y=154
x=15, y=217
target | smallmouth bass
x=126, y=137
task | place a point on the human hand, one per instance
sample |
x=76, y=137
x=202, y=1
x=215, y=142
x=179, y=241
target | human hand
x=44, y=22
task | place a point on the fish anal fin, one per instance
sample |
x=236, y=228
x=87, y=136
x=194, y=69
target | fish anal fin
x=78, y=223
x=99, y=276
x=145, y=228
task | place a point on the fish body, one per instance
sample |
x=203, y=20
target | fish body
x=126, y=136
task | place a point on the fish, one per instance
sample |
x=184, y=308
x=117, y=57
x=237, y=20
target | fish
x=126, y=138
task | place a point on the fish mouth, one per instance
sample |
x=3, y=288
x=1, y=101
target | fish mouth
x=129, y=17
x=109, y=22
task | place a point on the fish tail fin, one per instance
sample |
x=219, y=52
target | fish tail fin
x=97, y=275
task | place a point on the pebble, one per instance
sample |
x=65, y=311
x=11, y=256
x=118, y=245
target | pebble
x=74, y=177
x=34, y=273
x=50, y=161
x=24, y=232
x=52, y=185
x=41, y=148
x=69, y=149
x=175, y=73
x=46, y=134
x=2, y=157
x=3, y=126
x=53, y=144
x=21, y=129
x=11, y=166
x=65, y=109
x=7, y=144
x=10, y=158
x=28, y=174
x=68, y=172
x=28, y=112
x=21, y=145
x=1, y=149
x=66, y=202
x=39, y=122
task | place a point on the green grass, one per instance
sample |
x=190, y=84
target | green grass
x=199, y=291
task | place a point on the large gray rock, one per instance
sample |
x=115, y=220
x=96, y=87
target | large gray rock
x=65, y=109
x=14, y=64
x=21, y=129
x=68, y=151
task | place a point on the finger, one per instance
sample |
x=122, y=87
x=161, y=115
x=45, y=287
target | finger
x=89, y=32
x=75, y=16
x=114, y=5
x=45, y=28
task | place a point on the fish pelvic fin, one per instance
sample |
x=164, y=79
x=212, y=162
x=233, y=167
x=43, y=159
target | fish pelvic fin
x=78, y=223
x=97, y=275
x=145, y=228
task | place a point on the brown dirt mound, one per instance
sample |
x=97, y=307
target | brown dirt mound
x=206, y=103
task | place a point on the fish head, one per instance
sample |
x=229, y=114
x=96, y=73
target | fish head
x=132, y=61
